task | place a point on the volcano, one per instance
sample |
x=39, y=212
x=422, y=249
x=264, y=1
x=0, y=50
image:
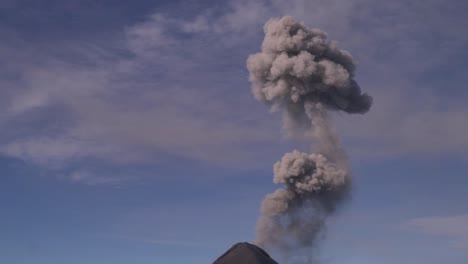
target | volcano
x=245, y=253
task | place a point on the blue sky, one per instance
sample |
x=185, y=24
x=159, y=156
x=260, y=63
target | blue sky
x=130, y=135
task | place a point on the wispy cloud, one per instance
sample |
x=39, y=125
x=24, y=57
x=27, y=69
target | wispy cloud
x=454, y=227
x=91, y=178
x=53, y=151
x=161, y=242
x=153, y=100
x=178, y=86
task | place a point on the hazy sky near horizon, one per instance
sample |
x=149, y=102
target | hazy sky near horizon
x=129, y=133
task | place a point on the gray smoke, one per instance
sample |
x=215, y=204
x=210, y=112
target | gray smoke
x=302, y=73
x=299, y=68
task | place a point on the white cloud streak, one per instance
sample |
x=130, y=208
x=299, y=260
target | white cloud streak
x=94, y=179
x=455, y=227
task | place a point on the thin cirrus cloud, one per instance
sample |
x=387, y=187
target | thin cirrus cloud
x=140, y=104
x=90, y=178
x=170, y=85
x=455, y=227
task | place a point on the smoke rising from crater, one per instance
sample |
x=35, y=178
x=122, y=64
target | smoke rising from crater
x=303, y=74
x=299, y=68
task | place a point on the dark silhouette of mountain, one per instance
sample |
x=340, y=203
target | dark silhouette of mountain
x=245, y=253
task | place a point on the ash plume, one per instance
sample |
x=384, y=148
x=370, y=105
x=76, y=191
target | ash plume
x=305, y=75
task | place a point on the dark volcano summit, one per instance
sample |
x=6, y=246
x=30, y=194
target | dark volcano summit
x=245, y=253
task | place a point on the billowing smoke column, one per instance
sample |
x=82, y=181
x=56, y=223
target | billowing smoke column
x=302, y=73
